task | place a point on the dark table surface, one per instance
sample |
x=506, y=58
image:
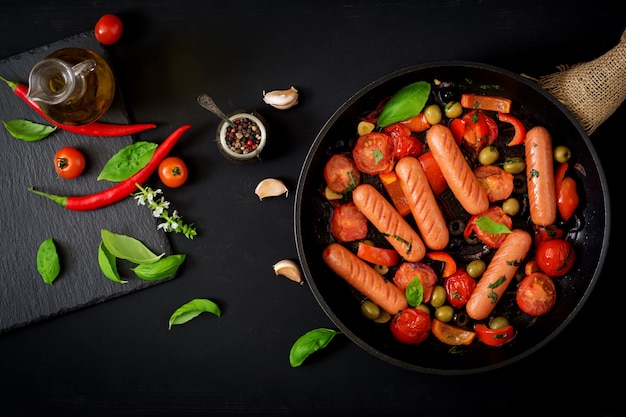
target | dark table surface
x=119, y=358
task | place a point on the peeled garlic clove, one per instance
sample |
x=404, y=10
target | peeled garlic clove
x=270, y=187
x=281, y=99
x=289, y=269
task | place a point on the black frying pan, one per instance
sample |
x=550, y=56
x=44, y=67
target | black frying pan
x=312, y=213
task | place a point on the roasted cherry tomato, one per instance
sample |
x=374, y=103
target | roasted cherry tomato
x=108, y=29
x=536, y=294
x=378, y=256
x=347, y=223
x=341, y=174
x=566, y=192
x=497, y=182
x=457, y=127
x=494, y=337
x=411, y=326
x=480, y=130
x=404, y=143
x=69, y=162
x=433, y=173
x=173, y=172
x=497, y=215
x=410, y=270
x=459, y=287
x=374, y=153
x=555, y=257
x=543, y=233
x=451, y=335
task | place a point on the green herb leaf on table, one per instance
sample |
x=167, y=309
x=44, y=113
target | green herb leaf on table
x=128, y=248
x=489, y=226
x=48, y=264
x=193, y=309
x=108, y=264
x=408, y=102
x=161, y=269
x=309, y=343
x=414, y=292
x=28, y=131
x=127, y=161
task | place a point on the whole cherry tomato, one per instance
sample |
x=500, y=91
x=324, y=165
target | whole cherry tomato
x=108, y=29
x=536, y=294
x=173, y=172
x=411, y=326
x=555, y=257
x=459, y=287
x=69, y=162
x=374, y=153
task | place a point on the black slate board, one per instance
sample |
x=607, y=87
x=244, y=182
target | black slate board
x=27, y=219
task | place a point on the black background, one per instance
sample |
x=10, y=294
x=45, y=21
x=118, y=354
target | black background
x=118, y=357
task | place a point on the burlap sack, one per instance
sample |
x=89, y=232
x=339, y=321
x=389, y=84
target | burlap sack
x=593, y=90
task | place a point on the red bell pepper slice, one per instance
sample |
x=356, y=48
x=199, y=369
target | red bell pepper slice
x=378, y=256
x=566, y=192
x=447, y=259
x=492, y=103
x=457, y=127
x=417, y=123
x=394, y=190
x=493, y=337
x=433, y=173
x=520, y=129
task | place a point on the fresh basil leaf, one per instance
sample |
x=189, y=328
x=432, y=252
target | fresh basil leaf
x=408, y=102
x=27, y=130
x=414, y=292
x=128, y=248
x=193, y=309
x=161, y=269
x=48, y=264
x=309, y=343
x=487, y=225
x=108, y=264
x=127, y=161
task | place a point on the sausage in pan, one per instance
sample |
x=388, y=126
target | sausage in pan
x=540, y=176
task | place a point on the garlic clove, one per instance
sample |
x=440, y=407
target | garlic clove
x=289, y=269
x=281, y=99
x=270, y=187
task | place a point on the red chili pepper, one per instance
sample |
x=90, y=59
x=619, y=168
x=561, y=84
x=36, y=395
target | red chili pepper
x=122, y=189
x=566, y=192
x=520, y=129
x=91, y=129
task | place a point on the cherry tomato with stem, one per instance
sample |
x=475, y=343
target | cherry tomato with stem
x=108, y=29
x=411, y=326
x=173, y=172
x=69, y=162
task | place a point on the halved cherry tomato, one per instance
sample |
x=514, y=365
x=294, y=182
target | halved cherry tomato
x=433, y=173
x=498, y=183
x=449, y=267
x=451, y=335
x=520, y=129
x=374, y=153
x=555, y=257
x=417, y=123
x=69, y=162
x=108, y=29
x=341, y=174
x=411, y=326
x=378, y=256
x=459, y=287
x=566, y=192
x=347, y=223
x=410, y=270
x=173, y=172
x=494, y=337
x=536, y=294
x=404, y=143
x=493, y=240
x=394, y=190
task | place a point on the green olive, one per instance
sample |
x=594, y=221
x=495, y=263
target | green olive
x=510, y=206
x=514, y=166
x=488, y=155
x=383, y=318
x=562, y=153
x=453, y=109
x=423, y=307
x=476, y=268
x=499, y=322
x=370, y=309
x=433, y=114
x=438, y=298
x=444, y=313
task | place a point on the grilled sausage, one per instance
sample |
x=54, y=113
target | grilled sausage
x=424, y=206
x=498, y=275
x=540, y=176
x=383, y=215
x=364, y=278
x=455, y=169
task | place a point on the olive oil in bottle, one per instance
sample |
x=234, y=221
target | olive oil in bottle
x=73, y=86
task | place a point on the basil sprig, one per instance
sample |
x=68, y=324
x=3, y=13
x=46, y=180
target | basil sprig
x=27, y=131
x=408, y=102
x=309, y=343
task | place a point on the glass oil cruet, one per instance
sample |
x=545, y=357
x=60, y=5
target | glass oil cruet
x=73, y=86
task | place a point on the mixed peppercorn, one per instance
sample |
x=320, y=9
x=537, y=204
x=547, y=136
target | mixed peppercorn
x=245, y=137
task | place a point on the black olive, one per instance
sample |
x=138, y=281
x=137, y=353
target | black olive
x=456, y=227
